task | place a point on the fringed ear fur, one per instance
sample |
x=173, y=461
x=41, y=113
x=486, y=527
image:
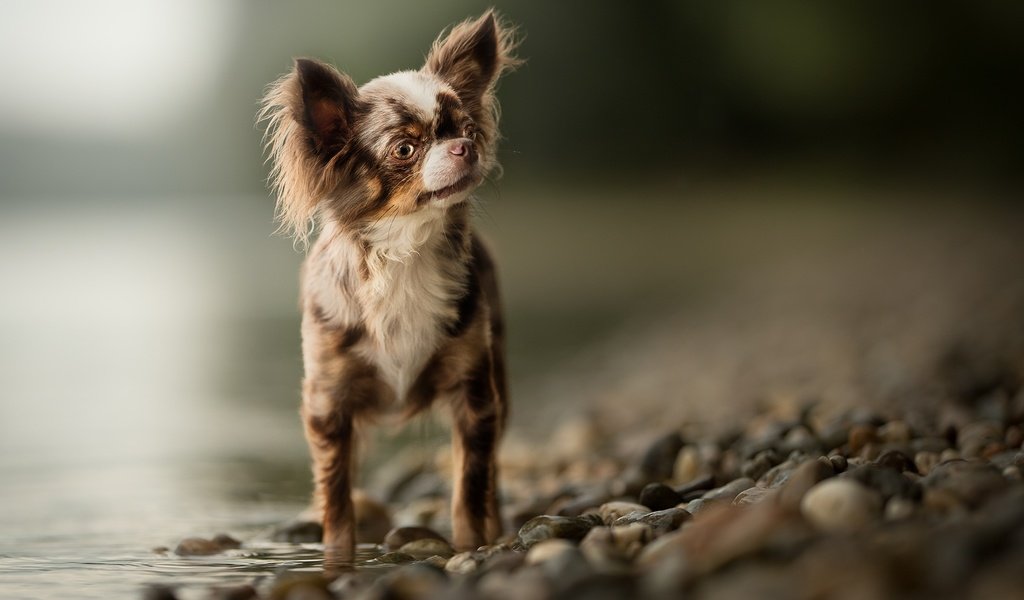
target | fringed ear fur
x=309, y=116
x=471, y=58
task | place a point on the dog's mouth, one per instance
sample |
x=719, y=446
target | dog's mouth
x=440, y=194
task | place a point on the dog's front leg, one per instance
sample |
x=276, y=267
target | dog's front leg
x=331, y=440
x=478, y=421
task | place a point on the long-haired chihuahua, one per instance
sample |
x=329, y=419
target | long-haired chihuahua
x=399, y=299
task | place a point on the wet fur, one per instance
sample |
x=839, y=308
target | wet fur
x=399, y=297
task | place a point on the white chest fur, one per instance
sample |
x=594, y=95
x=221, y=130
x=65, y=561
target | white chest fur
x=405, y=298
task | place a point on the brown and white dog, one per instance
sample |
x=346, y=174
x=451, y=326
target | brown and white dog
x=399, y=298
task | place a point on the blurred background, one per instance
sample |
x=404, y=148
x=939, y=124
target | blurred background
x=702, y=203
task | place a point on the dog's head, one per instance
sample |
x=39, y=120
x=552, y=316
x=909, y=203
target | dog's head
x=401, y=143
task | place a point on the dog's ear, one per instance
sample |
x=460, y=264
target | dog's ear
x=328, y=102
x=472, y=56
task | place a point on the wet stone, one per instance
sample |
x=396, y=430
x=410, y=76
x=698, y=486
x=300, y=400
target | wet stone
x=299, y=532
x=196, y=546
x=427, y=547
x=838, y=461
x=301, y=587
x=400, y=536
x=658, y=496
x=395, y=558
x=546, y=527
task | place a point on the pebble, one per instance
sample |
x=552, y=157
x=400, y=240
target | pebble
x=611, y=511
x=463, y=562
x=660, y=521
x=970, y=482
x=400, y=536
x=895, y=431
x=697, y=484
x=658, y=496
x=197, y=546
x=659, y=460
x=427, y=547
x=302, y=587
x=729, y=491
x=887, y=481
x=759, y=465
x=299, y=532
x=610, y=547
x=548, y=550
x=753, y=495
x=925, y=461
x=860, y=436
x=395, y=558
x=894, y=459
x=841, y=505
x=687, y=465
x=545, y=527
x=803, y=478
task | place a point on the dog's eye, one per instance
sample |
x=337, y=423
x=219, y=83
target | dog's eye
x=404, y=151
x=469, y=131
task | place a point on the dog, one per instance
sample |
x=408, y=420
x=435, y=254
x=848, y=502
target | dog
x=399, y=298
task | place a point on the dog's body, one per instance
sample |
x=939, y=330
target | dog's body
x=399, y=298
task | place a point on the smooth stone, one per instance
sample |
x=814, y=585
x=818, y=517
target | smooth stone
x=437, y=562
x=577, y=506
x=302, y=587
x=658, y=496
x=418, y=580
x=373, y=519
x=548, y=550
x=839, y=463
x=897, y=509
x=463, y=562
x=545, y=527
x=660, y=521
x=608, y=548
x=895, y=431
x=611, y=511
x=860, y=436
x=299, y=532
x=659, y=460
x=800, y=439
x=696, y=505
x=697, y=484
x=687, y=466
x=971, y=482
x=894, y=459
x=722, y=534
x=235, y=592
x=760, y=464
x=841, y=505
x=400, y=536
x=197, y=546
x=729, y=491
x=886, y=481
x=427, y=547
x=925, y=461
x=801, y=480
x=753, y=495
x=778, y=474
x=395, y=558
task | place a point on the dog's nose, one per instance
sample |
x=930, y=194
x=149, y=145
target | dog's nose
x=463, y=148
